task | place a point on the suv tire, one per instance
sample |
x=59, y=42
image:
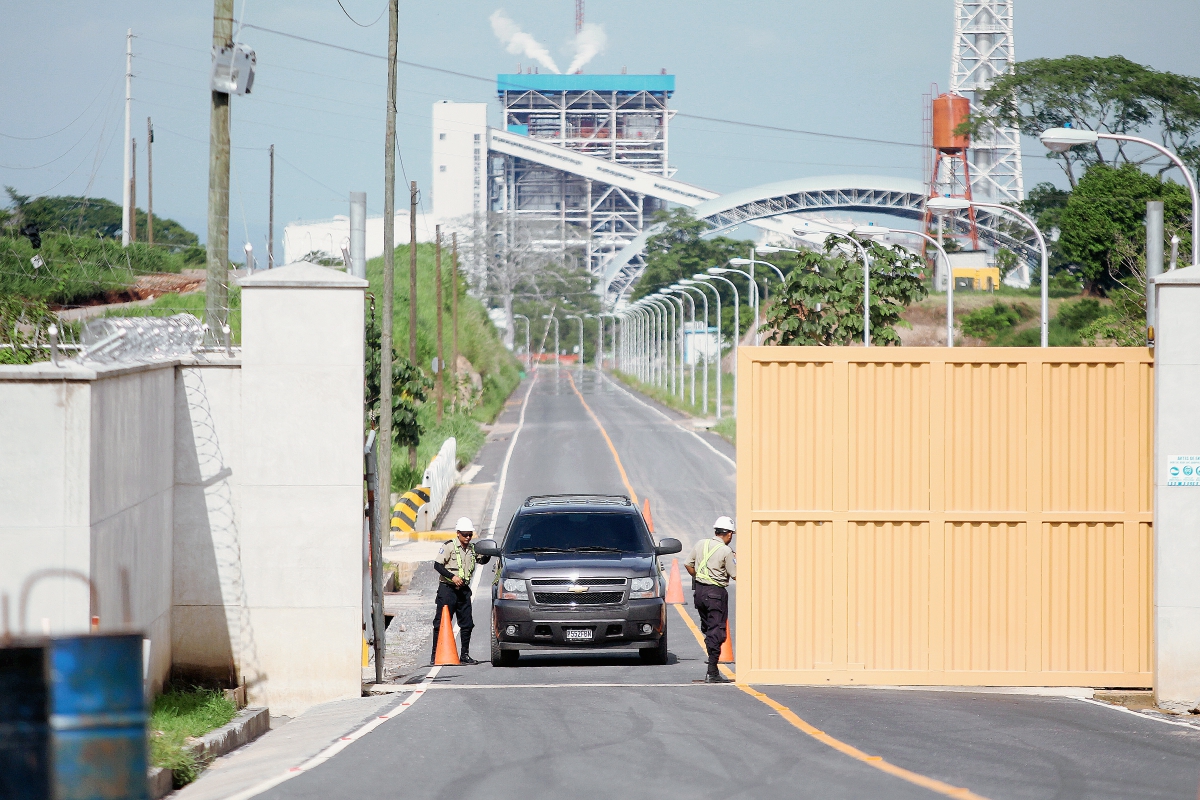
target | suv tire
x=656, y=655
x=502, y=658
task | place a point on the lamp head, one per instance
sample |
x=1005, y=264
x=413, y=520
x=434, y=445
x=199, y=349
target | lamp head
x=741, y=262
x=700, y=276
x=768, y=248
x=716, y=270
x=1060, y=140
x=944, y=204
x=686, y=282
x=872, y=230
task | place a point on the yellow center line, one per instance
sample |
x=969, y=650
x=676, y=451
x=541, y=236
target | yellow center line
x=878, y=762
x=604, y=433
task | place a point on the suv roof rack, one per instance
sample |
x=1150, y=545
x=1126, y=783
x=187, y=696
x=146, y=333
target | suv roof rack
x=536, y=500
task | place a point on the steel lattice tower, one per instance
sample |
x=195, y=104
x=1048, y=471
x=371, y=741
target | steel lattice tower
x=983, y=49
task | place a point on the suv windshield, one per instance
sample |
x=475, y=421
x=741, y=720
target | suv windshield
x=577, y=533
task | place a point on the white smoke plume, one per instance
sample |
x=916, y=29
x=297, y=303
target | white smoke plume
x=517, y=42
x=589, y=42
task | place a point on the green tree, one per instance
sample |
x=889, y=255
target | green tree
x=96, y=216
x=1109, y=203
x=410, y=388
x=680, y=250
x=1106, y=94
x=821, y=299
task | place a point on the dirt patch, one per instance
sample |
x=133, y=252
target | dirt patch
x=148, y=287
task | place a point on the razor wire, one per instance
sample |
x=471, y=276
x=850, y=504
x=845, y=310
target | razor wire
x=110, y=340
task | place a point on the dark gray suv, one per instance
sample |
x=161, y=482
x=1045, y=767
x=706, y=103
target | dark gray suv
x=578, y=572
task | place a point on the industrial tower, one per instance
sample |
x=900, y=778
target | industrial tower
x=983, y=49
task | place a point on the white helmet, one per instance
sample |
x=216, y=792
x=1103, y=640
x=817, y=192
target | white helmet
x=465, y=525
x=724, y=524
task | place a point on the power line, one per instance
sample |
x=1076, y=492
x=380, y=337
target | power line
x=356, y=22
x=799, y=131
x=60, y=130
x=335, y=192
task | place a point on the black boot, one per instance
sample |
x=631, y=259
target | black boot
x=716, y=677
x=465, y=658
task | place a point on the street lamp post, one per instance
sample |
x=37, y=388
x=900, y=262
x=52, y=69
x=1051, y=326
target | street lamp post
x=699, y=281
x=737, y=331
x=676, y=339
x=556, y=348
x=658, y=315
x=866, y=276
x=753, y=295
x=528, y=355
x=683, y=343
x=578, y=319
x=1060, y=140
x=947, y=205
x=667, y=351
x=689, y=285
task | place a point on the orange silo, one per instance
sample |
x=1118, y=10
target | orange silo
x=950, y=111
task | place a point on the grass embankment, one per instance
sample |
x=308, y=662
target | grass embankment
x=80, y=270
x=478, y=341
x=726, y=427
x=178, y=715
x=168, y=305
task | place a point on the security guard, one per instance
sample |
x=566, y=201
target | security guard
x=712, y=567
x=455, y=564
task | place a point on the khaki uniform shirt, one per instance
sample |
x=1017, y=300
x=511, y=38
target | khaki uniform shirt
x=448, y=557
x=722, y=566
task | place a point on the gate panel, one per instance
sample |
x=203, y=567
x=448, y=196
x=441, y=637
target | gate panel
x=930, y=516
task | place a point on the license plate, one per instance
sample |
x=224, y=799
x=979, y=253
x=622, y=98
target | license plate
x=578, y=634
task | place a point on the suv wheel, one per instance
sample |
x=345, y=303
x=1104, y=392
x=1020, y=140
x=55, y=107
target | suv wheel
x=502, y=658
x=656, y=655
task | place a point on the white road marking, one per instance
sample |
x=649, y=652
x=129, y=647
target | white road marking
x=1139, y=715
x=508, y=458
x=674, y=422
x=341, y=744
x=459, y=686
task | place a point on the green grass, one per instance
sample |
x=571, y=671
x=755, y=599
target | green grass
x=469, y=438
x=177, y=715
x=79, y=269
x=684, y=404
x=478, y=339
x=726, y=429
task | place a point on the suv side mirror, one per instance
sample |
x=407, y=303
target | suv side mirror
x=487, y=547
x=667, y=546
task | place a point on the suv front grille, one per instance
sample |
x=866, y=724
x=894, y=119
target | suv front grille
x=577, y=598
x=578, y=581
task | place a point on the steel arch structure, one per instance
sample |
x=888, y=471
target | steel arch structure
x=897, y=197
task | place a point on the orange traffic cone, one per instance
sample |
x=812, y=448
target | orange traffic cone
x=674, y=584
x=646, y=514
x=447, y=652
x=727, y=646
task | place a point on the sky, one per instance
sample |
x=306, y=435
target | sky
x=850, y=67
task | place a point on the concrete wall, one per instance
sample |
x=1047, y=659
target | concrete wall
x=301, y=483
x=86, y=486
x=1176, y=508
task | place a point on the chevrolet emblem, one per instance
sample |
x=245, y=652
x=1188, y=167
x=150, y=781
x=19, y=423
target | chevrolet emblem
x=577, y=589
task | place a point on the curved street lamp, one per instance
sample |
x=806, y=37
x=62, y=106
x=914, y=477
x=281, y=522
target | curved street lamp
x=737, y=329
x=528, y=355
x=687, y=285
x=683, y=339
x=1060, y=140
x=556, y=348
x=699, y=281
x=676, y=338
x=949, y=205
x=578, y=319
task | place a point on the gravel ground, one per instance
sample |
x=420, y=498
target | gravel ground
x=410, y=633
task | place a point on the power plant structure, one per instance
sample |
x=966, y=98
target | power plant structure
x=984, y=49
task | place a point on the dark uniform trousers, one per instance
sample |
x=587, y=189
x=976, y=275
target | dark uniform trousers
x=712, y=604
x=458, y=600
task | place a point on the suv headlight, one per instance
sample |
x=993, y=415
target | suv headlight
x=641, y=588
x=513, y=589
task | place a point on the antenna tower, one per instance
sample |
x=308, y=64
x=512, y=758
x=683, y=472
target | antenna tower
x=983, y=49
x=578, y=15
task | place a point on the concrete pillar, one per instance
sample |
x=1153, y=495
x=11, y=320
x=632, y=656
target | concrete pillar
x=302, y=484
x=358, y=234
x=1177, y=487
x=1154, y=256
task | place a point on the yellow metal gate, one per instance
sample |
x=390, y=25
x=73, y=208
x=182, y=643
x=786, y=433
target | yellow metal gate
x=926, y=516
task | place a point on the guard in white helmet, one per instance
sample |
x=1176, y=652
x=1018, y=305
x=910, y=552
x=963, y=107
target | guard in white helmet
x=712, y=566
x=455, y=563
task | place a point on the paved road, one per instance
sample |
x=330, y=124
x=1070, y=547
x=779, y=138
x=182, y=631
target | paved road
x=606, y=726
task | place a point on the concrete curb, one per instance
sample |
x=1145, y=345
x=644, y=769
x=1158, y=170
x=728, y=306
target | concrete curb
x=246, y=726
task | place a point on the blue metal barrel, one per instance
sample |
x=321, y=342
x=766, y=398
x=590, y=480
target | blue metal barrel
x=98, y=717
x=24, y=722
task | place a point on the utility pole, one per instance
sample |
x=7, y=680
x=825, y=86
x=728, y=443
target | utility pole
x=216, y=295
x=133, y=191
x=271, y=212
x=454, y=317
x=412, y=288
x=441, y=358
x=149, y=181
x=125, y=212
x=385, y=339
